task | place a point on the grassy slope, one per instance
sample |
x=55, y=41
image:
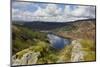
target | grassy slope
x=80, y=29
x=85, y=31
x=32, y=41
x=36, y=41
x=24, y=38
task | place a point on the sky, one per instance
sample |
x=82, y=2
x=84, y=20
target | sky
x=36, y=11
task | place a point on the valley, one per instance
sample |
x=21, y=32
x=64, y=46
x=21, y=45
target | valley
x=41, y=42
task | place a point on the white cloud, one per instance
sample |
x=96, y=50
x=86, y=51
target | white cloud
x=21, y=15
x=84, y=11
x=79, y=11
x=67, y=10
x=52, y=9
x=53, y=13
x=40, y=12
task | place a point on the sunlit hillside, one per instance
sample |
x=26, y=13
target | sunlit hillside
x=34, y=47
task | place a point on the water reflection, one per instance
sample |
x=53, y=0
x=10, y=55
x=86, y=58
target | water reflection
x=58, y=42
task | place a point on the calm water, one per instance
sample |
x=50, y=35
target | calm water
x=58, y=42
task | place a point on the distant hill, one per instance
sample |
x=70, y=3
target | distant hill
x=41, y=25
x=79, y=29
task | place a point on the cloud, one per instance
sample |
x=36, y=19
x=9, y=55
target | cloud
x=40, y=12
x=84, y=11
x=51, y=12
x=79, y=12
x=20, y=15
x=52, y=9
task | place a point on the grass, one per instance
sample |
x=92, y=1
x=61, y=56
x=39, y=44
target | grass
x=24, y=38
x=38, y=42
x=88, y=44
x=65, y=53
x=90, y=56
x=89, y=48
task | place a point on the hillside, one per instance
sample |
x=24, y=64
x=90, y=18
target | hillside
x=30, y=43
x=33, y=47
x=83, y=34
x=79, y=29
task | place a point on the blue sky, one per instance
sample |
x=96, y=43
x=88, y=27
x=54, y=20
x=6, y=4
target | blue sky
x=35, y=11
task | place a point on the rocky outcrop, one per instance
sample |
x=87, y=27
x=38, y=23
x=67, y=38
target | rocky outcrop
x=27, y=58
x=77, y=53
